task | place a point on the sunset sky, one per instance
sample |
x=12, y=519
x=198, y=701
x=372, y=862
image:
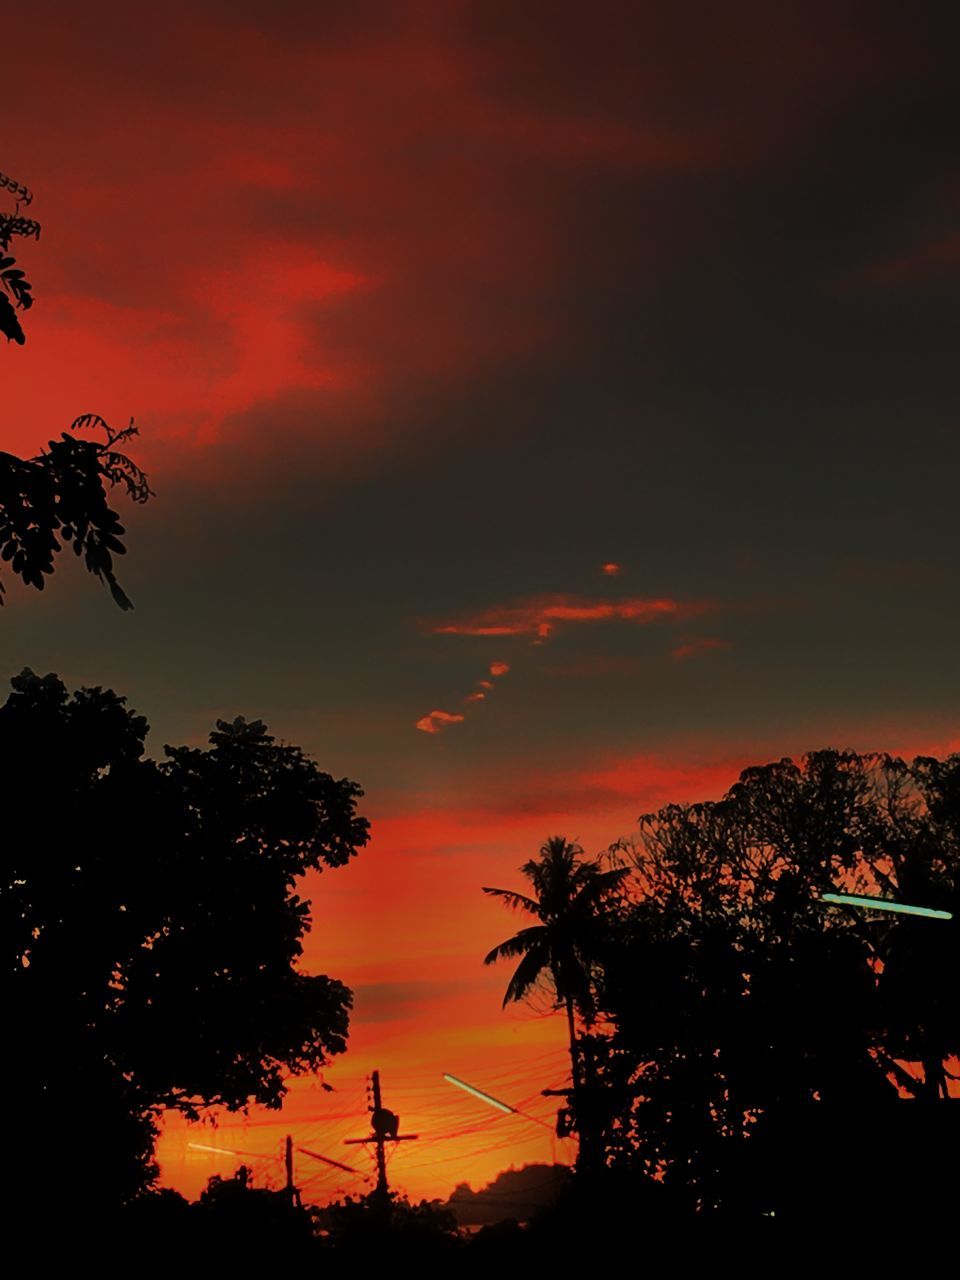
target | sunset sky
x=598, y=359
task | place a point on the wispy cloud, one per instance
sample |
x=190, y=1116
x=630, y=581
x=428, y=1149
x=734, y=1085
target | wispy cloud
x=541, y=615
x=927, y=262
x=437, y=721
x=697, y=647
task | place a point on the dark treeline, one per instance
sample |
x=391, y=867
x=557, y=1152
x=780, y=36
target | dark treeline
x=151, y=931
x=745, y=1047
x=744, y=1056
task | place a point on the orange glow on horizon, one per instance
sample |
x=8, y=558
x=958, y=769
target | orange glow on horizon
x=406, y=926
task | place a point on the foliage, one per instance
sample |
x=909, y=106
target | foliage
x=568, y=896
x=13, y=283
x=60, y=496
x=370, y=1227
x=152, y=924
x=738, y=997
x=571, y=898
x=249, y=1221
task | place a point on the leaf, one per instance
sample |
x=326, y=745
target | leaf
x=9, y=324
x=15, y=282
x=119, y=595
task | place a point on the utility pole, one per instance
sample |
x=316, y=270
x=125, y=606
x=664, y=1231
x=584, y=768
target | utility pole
x=386, y=1126
x=290, y=1189
x=378, y=1130
x=581, y=1115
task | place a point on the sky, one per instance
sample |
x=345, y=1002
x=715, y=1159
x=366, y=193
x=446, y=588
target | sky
x=551, y=410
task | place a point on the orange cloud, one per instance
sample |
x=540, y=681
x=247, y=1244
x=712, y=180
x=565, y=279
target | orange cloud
x=436, y=721
x=697, y=648
x=539, y=617
x=611, y=569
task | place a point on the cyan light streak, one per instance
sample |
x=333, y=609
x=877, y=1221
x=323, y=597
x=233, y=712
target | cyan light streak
x=884, y=904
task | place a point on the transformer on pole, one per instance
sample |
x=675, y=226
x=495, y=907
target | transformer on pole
x=386, y=1128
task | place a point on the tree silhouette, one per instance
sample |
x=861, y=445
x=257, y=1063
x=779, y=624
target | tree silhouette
x=238, y=1223
x=569, y=895
x=61, y=495
x=363, y=1229
x=15, y=289
x=747, y=1013
x=153, y=929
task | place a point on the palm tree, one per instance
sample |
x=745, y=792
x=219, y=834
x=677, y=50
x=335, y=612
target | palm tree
x=568, y=894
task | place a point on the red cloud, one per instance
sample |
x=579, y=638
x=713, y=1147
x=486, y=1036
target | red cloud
x=538, y=617
x=266, y=209
x=475, y=697
x=929, y=261
x=499, y=668
x=399, y=202
x=438, y=720
x=697, y=647
x=611, y=569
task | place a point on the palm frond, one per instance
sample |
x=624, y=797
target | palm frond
x=518, y=945
x=527, y=974
x=600, y=885
x=516, y=900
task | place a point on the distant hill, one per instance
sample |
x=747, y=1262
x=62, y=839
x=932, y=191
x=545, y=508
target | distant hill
x=515, y=1193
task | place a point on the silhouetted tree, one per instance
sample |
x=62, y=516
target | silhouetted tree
x=739, y=998
x=235, y=1221
x=363, y=1228
x=153, y=929
x=15, y=290
x=61, y=495
x=570, y=893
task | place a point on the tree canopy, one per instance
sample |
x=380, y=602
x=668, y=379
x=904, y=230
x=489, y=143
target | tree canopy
x=153, y=925
x=571, y=895
x=62, y=495
x=15, y=290
x=568, y=890
x=738, y=999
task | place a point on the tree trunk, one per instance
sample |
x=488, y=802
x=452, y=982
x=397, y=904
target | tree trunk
x=935, y=1079
x=574, y=1048
x=583, y=1096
